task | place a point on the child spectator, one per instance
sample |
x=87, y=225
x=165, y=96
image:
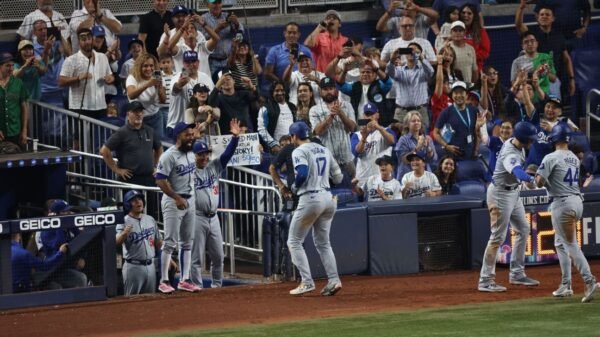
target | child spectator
x=450, y=15
x=380, y=186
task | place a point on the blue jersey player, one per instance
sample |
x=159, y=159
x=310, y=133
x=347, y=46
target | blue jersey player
x=505, y=206
x=559, y=172
x=313, y=165
x=175, y=177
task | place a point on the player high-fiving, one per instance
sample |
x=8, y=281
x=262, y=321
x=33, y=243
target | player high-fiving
x=559, y=172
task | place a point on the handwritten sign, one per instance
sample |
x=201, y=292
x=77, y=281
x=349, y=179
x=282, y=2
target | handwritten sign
x=246, y=153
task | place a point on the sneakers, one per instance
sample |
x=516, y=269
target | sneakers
x=331, y=289
x=165, y=288
x=563, y=291
x=526, y=281
x=590, y=290
x=302, y=288
x=188, y=286
x=491, y=288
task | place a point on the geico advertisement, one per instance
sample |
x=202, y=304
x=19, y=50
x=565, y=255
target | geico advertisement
x=49, y=223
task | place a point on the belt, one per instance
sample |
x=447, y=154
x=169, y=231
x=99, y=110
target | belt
x=508, y=188
x=210, y=214
x=551, y=199
x=410, y=107
x=139, y=262
x=185, y=196
x=314, y=191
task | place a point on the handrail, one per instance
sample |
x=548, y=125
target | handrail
x=588, y=112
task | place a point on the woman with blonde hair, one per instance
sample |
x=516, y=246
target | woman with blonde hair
x=414, y=140
x=144, y=84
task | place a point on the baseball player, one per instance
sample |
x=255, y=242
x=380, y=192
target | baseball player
x=141, y=237
x=506, y=206
x=207, y=231
x=559, y=172
x=382, y=186
x=174, y=176
x=314, y=166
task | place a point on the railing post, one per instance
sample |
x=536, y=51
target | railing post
x=231, y=244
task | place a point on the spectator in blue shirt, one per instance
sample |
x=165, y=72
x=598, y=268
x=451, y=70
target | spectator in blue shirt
x=23, y=262
x=278, y=57
x=455, y=127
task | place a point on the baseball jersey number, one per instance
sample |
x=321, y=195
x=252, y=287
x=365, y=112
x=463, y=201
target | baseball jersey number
x=571, y=177
x=321, y=164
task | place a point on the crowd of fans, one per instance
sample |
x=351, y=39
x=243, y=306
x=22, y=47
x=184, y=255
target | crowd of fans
x=402, y=122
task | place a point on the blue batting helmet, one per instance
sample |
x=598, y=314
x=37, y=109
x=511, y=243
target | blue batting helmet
x=300, y=130
x=560, y=133
x=130, y=196
x=524, y=132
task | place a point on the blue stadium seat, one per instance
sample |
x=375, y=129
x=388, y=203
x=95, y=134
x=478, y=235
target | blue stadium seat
x=472, y=188
x=470, y=170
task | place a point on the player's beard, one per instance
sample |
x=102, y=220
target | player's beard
x=185, y=147
x=330, y=98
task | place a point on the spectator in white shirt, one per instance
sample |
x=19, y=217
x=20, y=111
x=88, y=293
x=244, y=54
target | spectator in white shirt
x=45, y=12
x=85, y=73
x=92, y=15
x=418, y=182
x=380, y=186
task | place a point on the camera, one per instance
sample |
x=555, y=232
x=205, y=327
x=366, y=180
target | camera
x=323, y=24
x=363, y=122
x=157, y=74
x=348, y=43
x=239, y=37
x=294, y=50
x=185, y=73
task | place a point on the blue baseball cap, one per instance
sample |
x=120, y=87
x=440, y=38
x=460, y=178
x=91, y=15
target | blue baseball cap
x=370, y=108
x=190, y=56
x=326, y=82
x=59, y=205
x=134, y=106
x=180, y=127
x=98, y=31
x=201, y=147
x=180, y=9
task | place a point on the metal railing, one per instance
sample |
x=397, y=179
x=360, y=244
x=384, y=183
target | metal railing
x=589, y=114
x=246, y=197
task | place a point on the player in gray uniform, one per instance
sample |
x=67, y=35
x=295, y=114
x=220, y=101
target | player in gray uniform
x=505, y=205
x=559, y=172
x=207, y=231
x=314, y=166
x=174, y=175
x=141, y=237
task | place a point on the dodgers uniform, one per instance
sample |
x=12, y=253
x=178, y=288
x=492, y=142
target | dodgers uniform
x=427, y=182
x=207, y=232
x=178, y=168
x=505, y=205
x=391, y=188
x=316, y=209
x=139, y=272
x=560, y=169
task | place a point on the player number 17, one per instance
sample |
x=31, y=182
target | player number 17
x=571, y=177
x=321, y=164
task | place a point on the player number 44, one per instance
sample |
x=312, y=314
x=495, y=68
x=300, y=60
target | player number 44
x=571, y=177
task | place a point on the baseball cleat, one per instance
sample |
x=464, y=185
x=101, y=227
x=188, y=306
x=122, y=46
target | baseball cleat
x=590, y=290
x=526, y=281
x=491, y=288
x=165, y=288
x=302, y=288
x=563, y=291
x=188, y=286
x=331, y=289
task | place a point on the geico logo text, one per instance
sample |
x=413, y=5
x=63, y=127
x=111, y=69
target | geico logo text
x=95, y=220
x=35, y=224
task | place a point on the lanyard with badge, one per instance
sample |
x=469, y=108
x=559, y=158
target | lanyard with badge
x=467, y=123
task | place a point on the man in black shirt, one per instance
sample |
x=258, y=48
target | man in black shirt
x=233, y=103
x=152, y=25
